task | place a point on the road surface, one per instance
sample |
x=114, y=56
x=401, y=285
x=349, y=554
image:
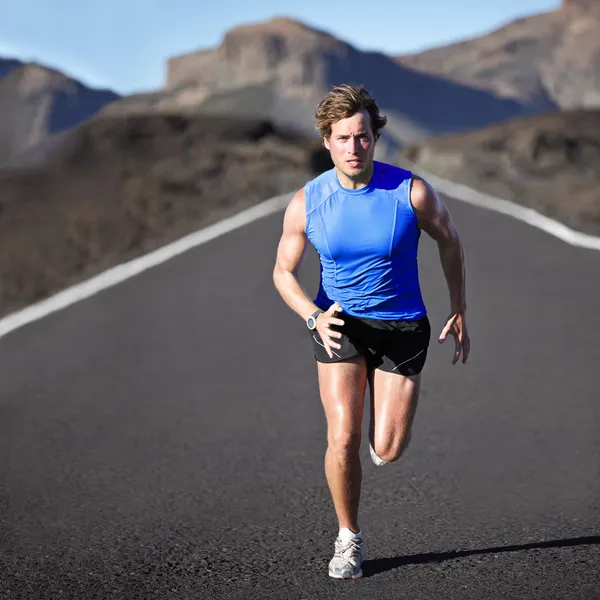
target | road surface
x=164, y=438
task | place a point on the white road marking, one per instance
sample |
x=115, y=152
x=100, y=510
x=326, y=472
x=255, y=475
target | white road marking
x=124, y=271
x=129, y=269
x=469, y=195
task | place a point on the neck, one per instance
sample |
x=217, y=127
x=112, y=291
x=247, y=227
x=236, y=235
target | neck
x=355, y=183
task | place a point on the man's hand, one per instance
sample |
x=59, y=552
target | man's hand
x=457, y=327
x=324, y=322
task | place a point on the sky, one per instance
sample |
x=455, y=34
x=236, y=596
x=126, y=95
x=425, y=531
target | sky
x=123, y=45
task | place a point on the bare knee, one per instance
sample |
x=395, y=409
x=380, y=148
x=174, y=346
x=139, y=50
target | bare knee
x=344, y=444
x=392, y=448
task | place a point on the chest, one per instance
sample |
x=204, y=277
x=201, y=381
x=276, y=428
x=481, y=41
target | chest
x=362, y=225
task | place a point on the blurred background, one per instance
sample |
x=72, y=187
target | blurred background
x=117, y=128
x=164, y=439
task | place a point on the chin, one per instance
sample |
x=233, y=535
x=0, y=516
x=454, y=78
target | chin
x=355, y=171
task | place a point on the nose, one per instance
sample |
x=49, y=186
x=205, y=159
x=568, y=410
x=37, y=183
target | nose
x=355, y=145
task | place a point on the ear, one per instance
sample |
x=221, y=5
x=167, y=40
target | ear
x=326, y=143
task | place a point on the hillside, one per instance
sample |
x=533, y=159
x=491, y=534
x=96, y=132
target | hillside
x=544, y=60
x=121, y=187
x=37, y=105
x=550, y=163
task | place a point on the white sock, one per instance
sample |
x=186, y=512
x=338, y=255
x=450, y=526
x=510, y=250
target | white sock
x=346, y=534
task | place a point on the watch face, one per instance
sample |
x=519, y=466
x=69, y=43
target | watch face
x=311, y=322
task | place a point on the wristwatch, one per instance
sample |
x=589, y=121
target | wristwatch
x=311, y=322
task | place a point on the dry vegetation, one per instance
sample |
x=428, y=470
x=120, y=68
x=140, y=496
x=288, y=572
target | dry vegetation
x=550, y=163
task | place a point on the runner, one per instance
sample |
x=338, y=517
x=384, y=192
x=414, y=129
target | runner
x=368, y=323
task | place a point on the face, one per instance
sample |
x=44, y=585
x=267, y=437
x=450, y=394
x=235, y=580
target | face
x=351, y=145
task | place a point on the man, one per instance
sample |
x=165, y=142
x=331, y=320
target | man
x=368, y=323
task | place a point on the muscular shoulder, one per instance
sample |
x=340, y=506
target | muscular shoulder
x=432, y=213
x=298, y=201
x=295, y=213
x=423, y=197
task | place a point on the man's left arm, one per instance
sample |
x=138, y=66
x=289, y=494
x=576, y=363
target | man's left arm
x=434, y=218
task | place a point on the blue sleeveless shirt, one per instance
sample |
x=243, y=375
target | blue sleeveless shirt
x=367, y=241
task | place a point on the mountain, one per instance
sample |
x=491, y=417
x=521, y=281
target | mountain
x=547, y=59
x=548, y=162
x=37, y=105
x=7, y=65
x=281, y=68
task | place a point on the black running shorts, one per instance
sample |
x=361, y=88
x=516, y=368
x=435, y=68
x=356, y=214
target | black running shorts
x=392, y=346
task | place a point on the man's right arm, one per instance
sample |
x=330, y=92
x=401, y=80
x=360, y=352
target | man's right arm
x=290, y=252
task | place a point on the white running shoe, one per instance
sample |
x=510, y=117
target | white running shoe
x=378, y=461
x=347, y=560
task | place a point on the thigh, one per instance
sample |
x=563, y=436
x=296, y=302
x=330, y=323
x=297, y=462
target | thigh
x=342, y=387
x=395, y=380
x=394, y=400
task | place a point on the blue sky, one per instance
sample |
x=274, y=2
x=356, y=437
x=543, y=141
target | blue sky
x=124, y=44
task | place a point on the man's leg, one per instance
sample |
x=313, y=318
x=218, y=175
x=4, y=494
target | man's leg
x=342, y=387
x=395, y=385
x=394, y=400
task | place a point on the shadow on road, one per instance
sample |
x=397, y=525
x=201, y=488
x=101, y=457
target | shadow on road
x=372, y=567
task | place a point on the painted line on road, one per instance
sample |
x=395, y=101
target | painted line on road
x=461, y=192
x=124, y=271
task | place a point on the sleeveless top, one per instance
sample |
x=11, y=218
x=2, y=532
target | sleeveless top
x=367, y=241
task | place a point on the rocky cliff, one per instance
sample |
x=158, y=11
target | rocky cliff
x=281, y=68
x=547, y=59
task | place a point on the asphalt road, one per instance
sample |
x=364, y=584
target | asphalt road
x=164, y=439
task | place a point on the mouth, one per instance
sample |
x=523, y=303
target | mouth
x=354, y=164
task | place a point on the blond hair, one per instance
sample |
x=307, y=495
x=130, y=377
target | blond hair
x=344, y=101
